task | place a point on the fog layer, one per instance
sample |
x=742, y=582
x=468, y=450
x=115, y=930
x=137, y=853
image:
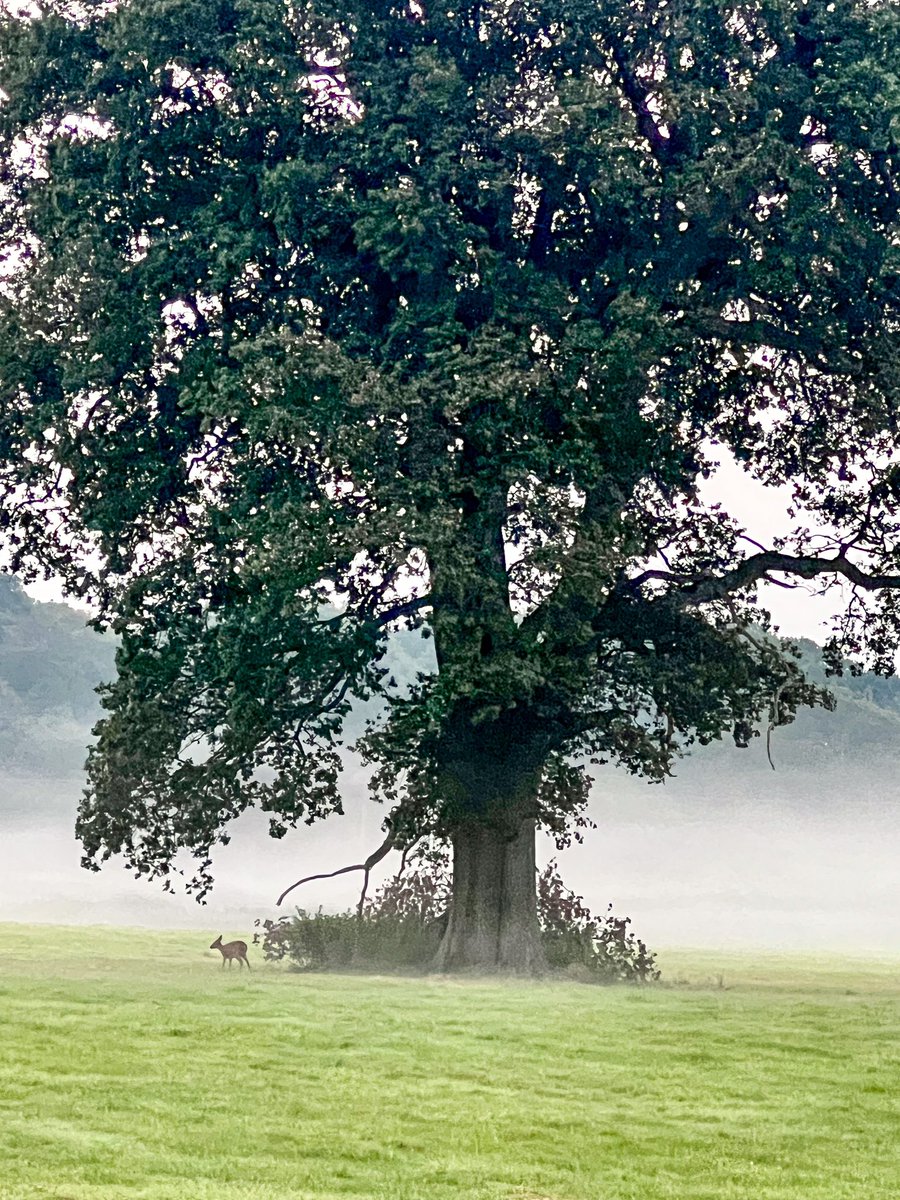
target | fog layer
x=781, y=859
x=728, y=853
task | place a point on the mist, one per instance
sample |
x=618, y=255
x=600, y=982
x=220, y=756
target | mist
x=727, y=854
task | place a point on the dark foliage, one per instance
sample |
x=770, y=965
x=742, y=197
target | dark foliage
x=574, y=937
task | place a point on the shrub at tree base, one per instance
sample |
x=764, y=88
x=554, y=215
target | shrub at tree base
x=574, y=937
x=402, y=925
x=320, y=941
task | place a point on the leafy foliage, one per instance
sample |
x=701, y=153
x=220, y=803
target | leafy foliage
x=574, y=937
x=401, y=926
x=320, y=941
x=319, y=319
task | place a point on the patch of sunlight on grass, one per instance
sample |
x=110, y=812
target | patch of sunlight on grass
x=133, y=1067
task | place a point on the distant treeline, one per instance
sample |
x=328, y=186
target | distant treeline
x=51, y=664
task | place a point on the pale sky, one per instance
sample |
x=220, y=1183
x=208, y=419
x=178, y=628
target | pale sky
x=797, y=611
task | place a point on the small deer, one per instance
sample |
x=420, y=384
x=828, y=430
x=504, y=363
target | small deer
x=231, y=950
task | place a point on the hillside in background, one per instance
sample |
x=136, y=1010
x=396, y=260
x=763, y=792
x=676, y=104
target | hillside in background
x=864, y=728
x=51, y=663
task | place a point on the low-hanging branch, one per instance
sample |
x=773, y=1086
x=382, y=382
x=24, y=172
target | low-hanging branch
x=389, y=844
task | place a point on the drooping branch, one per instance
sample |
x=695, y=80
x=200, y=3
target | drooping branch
x=374, y=858
x=773, y=722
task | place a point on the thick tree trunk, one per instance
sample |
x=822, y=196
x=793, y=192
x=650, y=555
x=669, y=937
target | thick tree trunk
x=493, y=924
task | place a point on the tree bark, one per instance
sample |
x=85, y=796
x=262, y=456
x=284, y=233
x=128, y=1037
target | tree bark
x=493, y=924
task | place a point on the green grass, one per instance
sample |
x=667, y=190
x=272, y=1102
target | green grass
x=132, y=1066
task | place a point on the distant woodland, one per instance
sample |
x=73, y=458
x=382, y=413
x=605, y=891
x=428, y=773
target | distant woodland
x=51, y=664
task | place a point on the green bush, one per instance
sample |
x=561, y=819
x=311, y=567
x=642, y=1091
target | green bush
x=319, y=941
x=574, y=937
x=401, y=926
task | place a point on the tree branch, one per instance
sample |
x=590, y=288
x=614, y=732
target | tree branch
x=405, y=855
x=702, y=589
x=375, y=857
x=664, y=148
x=403, y=608
x=757, y=333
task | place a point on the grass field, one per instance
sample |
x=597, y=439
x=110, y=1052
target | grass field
x=132, y=1066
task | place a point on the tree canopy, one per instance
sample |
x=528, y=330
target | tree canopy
x=320, y=320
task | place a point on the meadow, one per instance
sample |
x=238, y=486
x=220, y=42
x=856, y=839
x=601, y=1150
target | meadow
x=132, y=1067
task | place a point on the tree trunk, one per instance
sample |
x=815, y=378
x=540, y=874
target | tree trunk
x=493, y=924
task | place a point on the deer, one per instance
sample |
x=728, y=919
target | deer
x=230, y=951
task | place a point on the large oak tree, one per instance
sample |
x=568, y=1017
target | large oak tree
x=323, y=319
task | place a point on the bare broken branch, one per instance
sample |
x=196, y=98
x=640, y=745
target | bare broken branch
x=374, y=858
